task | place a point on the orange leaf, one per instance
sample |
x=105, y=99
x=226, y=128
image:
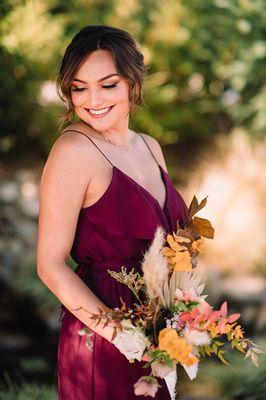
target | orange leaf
x=204, y=227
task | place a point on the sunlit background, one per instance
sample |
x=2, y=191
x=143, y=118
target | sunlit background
x=205, y=102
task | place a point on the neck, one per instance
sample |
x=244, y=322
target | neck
x=120, y=137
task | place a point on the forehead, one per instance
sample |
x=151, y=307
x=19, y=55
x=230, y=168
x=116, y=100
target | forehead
x=98, y=64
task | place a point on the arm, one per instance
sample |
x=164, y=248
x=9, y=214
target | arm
x=62, y=189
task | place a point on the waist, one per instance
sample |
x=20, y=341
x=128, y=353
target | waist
x=103, y=265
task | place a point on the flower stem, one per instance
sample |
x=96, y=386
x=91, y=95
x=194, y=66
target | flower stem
x=135, y=294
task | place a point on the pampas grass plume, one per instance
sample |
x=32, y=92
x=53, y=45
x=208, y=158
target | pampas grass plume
x=154, y=265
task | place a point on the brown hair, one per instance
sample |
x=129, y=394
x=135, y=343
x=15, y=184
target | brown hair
x=128, y=59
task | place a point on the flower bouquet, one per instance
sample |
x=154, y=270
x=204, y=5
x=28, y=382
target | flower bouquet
x=171, y=322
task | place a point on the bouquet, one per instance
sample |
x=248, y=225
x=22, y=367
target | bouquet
x=174, y=324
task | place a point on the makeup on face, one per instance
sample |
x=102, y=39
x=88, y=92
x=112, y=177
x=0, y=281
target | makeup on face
x=97, y=89
x=99, y=112
x=76, y=88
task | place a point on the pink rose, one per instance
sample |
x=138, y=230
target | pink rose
x=144, y=388
x=160, y=369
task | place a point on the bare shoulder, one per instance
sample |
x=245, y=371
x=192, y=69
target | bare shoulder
x=73, y=148
x=67, y=172
x=156, y=149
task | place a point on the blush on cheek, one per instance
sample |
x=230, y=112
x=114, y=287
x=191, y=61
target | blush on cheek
x=78, y=103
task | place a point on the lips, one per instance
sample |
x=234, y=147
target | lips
x=99, y=115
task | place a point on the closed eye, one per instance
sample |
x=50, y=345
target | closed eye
x=76, y=89
x=110, y=86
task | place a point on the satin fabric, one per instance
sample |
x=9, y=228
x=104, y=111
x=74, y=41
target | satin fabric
x=114, y=231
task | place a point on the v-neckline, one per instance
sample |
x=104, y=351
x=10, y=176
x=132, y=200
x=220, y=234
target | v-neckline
x=146, y=191
x=115, y=168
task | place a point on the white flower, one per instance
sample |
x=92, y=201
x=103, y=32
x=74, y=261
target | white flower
x=176, y=317
x=131, y=341
x=196, y=338
x=168, y=323
x=160, y=369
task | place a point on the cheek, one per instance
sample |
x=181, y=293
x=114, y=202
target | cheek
x=122, y=96
x=78, y=99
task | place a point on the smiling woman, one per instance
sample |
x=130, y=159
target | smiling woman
x=103, y=214
x=95, y=100
x=128, y=65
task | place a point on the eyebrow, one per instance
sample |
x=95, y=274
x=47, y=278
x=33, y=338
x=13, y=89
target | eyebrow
x=100, y=80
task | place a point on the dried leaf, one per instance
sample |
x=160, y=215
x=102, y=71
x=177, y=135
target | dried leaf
x=248, y=354
x=254, y=359
x=204, y=227
x=257, y=350
x=114, y=334
x=195, y=207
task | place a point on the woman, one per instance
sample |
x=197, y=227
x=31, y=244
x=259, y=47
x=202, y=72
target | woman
x=104, y=190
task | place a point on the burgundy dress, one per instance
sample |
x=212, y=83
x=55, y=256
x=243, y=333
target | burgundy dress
x=114, y=231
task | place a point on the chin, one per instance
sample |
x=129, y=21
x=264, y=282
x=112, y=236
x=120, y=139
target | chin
x=98, y=125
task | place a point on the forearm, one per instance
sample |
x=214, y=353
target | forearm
x=72, y=292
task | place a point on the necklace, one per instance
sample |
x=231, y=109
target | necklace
x=124, y=147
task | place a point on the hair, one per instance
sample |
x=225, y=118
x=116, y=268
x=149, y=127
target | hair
x=128, y=59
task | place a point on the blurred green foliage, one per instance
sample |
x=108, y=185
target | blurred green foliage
x=240, y=380
x=206, y=61
x=29, y=391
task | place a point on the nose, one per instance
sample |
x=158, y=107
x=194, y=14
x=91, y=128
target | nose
x=94, y=100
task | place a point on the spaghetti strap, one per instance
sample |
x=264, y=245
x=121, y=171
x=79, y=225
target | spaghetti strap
x=149, y=149
x=73, y=130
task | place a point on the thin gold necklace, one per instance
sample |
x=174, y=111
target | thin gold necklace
x=124, y=147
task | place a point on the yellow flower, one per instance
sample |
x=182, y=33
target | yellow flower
x=228, y=329
x=238, y=332
x=177, y=255
x=214, y=330
x=168, y=252
x=198, y=245
x=182, y=261
x=176, y=347
x=174, y=243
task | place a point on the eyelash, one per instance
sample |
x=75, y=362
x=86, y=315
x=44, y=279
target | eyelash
x=105, y=87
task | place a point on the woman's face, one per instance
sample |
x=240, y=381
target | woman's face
x=90, y=92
